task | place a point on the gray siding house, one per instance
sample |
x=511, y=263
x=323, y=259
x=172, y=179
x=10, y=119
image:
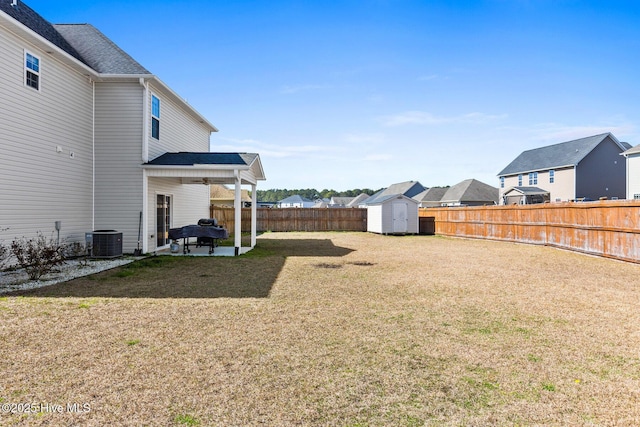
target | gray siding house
x=82, y=125
x=588, y=168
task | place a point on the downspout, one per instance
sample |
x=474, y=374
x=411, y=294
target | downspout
x=93, y=154
x=145, y=159
x=145, y=122
x=237, y=205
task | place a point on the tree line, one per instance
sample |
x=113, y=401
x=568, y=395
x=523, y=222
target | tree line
x=275, y=195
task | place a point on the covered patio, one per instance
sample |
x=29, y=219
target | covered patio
x=198, y=168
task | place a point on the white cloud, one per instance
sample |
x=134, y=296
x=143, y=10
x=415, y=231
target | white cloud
x=426, y=118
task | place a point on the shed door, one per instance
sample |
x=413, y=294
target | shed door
x=400, y=220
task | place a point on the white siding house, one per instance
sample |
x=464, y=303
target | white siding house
x=633, y=172
x=82, y=125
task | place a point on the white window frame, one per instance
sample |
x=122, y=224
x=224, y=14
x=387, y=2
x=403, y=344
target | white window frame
x=27, y=69
x=552, y=176
x=154, y=116
x=519, y=180
x=533, y=178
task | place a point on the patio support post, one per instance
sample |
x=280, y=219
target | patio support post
x=237, y=206
x=254, y=214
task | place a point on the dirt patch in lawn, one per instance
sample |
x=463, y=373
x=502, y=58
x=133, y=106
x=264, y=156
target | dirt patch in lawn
x=340, y=329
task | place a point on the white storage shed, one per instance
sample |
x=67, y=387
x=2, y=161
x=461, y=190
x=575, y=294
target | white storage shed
x=393, y=214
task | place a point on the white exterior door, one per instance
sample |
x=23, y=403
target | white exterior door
x=400, y=220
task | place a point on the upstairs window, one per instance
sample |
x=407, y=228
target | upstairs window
x=552, y=176
x=155, y=117
x=31, y=71
x=519, y=180
x=533, y=178
x=502, y=182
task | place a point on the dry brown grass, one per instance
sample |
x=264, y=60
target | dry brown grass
x=344, y=329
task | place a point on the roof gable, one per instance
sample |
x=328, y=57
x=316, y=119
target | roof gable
x=568, y=153
x=471, y=190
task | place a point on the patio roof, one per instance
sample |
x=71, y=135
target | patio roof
x=214, y=168
x=207, y=168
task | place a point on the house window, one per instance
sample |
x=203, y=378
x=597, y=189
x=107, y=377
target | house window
x=31, y=71
x=636, y=197
x=520, y=180
x=552, y=176
x=155, y=117
x=502, y=182
x=533, y=178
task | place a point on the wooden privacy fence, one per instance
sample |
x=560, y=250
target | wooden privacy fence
x=605, y=228
x=295, y=219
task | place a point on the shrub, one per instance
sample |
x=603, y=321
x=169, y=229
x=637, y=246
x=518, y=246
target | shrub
x=38, y=256
x=4, y=255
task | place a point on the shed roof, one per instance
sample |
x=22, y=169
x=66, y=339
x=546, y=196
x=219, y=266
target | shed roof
x=564, y=154
x=633, y=150
x=407, y=188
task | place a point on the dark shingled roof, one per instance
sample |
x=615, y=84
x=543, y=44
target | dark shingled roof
x=191, y=159
x=568, y=153
x=98, y=51
x=471, y=190
x=32, y=20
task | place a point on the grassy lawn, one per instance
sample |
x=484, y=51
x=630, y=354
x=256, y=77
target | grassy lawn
x=338, y=329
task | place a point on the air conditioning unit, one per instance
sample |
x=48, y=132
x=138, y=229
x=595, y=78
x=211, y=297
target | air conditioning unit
x=106, y=244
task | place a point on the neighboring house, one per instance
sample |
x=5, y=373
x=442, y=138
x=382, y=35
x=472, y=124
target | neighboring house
x=407, y=188
x=340, y=202
x=296, y=201
x=95, y=141
x=357, y=200
x=221, y=195
x=393, y=214
x=470, y=192
x=347, y=202
x=632, y=156
x=431, y=197
x=589, y=168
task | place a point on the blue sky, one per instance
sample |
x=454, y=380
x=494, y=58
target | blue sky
x=364, y=94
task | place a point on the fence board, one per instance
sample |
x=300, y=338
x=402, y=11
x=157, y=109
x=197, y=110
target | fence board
x=295, y=219
x=605, y=228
